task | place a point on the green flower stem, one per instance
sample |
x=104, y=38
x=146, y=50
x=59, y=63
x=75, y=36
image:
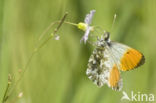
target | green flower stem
x=48, y=28
x=36, y=49
x=52, y=24
x=71, y=23
x=5, y=94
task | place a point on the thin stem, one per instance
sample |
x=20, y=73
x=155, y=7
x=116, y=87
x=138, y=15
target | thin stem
x=52, y=24
x=70, y=23
x=101, y=31
x=5, y=94
x=47, y=29
x=61, y=22
x=36, y=49
x=24, y=70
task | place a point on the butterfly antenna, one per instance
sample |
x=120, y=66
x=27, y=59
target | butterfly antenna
x=113, y=21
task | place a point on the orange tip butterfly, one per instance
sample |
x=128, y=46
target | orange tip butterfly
x=108, y=59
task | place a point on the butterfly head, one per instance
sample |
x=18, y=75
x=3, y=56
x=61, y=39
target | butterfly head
x=103, y=40
x=106, y=36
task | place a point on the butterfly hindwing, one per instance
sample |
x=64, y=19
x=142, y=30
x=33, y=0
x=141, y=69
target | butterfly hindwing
x=98, y=66
x=102, y=69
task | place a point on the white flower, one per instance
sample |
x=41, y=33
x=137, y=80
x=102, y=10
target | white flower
x=57, y=37
x=20, y=94
x=88, y=18
x=86, y=25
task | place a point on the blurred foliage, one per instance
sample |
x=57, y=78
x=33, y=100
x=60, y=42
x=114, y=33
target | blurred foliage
x=57, y=72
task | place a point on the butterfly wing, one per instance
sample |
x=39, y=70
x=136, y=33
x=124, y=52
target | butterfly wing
x=126, y=57
x=103, y=70
x=115, y=80
x=123, y=58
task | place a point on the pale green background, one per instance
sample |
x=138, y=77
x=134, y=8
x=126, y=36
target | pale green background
x=57, y=72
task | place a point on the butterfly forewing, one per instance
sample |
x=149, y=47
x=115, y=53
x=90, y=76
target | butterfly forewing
x=126, y=57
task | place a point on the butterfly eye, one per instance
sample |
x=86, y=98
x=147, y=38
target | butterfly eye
x=106, y=36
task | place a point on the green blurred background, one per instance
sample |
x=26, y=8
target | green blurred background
x=56, y=73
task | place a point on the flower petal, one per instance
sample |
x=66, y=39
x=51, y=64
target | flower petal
x=57, y=37
x=85, y=37
x=89, y=17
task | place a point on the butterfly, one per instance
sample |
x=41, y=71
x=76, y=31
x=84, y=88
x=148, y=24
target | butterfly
x=108, y=59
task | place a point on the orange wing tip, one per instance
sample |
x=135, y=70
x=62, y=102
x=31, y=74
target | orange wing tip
x=142, y=61
x=131, y=59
